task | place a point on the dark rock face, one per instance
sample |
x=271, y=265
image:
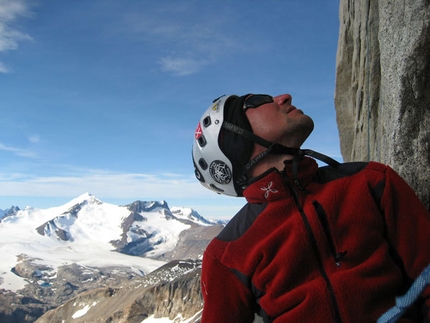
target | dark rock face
x=382, y=92
x=18, y=308
x=67, y=282
x=171, y=291
x=116, y=294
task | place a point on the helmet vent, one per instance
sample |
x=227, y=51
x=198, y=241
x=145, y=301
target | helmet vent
x=207, y=121
x=202, y=141
x=203, y=164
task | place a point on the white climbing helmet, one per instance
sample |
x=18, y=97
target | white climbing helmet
x=211, y=166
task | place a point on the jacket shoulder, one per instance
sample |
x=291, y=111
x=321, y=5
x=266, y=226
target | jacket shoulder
x=328, y=173
x=241, y=222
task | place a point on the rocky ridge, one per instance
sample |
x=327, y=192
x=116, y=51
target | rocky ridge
x=172, y=291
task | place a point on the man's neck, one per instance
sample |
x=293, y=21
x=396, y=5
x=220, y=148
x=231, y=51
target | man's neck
x=270, y=161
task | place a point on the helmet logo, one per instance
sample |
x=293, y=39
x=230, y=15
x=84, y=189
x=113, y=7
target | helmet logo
x=215, y=106
x=220, y=172
x=198, y=132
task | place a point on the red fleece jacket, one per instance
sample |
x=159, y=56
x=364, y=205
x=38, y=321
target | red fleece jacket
x=338, y=245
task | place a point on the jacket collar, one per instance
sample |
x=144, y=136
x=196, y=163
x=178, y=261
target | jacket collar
x=270, y=186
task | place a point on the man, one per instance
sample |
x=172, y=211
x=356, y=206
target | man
x=330, y=244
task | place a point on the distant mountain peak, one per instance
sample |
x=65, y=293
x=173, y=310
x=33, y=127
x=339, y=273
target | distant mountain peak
x=142, y=228
x=86, y=197
x=145, y=206
x=9, y=212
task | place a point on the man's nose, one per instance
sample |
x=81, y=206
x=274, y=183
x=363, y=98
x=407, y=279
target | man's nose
x=284, y=99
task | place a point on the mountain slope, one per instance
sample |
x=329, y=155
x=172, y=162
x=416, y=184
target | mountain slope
x=52, y=255
x=171, y=289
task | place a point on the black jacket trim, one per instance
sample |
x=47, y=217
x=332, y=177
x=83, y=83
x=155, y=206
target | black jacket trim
x=241, y=222
x=327, y=173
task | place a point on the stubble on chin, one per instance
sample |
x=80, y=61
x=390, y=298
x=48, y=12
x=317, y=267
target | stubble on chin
x=299, y=131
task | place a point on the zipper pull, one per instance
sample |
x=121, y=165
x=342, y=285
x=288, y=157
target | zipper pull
x=297, y=183
x=338, y=257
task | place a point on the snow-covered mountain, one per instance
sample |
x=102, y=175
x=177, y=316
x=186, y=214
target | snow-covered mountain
x=7, y=212
x=50, y=256
x=89, y=232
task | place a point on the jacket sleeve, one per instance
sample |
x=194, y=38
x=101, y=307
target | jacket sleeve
x=408, y=229
x=226, y=298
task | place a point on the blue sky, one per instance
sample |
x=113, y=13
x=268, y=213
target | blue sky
x=103, y=96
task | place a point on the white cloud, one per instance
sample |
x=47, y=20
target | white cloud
x=10, y=10
x=9, y=38
x=181, y=65
x=100, y=183
x=176, y=29
x=18, y=151
x=3, y=68
x=34, y=139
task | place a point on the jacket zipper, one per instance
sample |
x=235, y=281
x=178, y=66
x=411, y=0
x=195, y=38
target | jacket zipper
x=337, y=317
x=322, y=216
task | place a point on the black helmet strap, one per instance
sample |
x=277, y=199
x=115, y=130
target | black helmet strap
x=278, y=149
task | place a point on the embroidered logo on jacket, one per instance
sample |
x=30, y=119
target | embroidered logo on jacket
x=267, y=190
